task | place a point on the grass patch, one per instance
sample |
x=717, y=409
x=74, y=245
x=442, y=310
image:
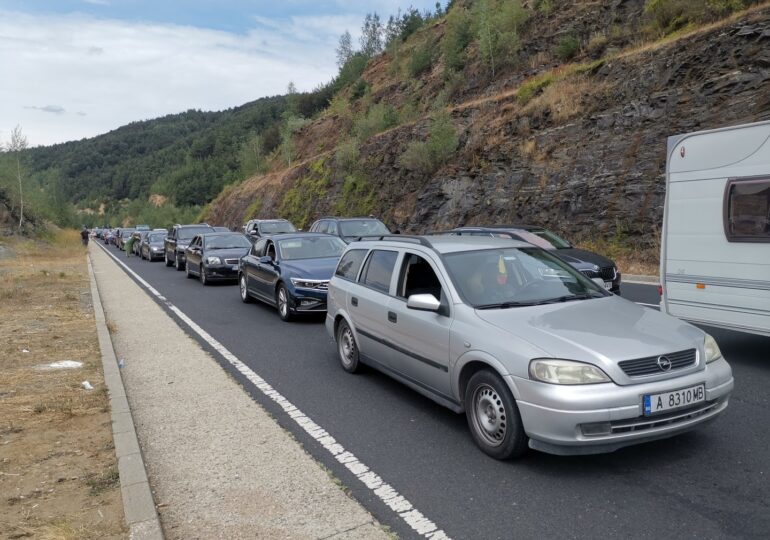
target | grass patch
x=299, y=201
x=99, y=482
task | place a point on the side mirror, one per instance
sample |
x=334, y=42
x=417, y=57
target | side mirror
x=423, y=302
x=266, y=259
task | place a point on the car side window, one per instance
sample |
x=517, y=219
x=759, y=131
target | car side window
x=350, y=263
x=379, y=269
x=331, y=228
x=317, y=226
x=259, y=248
x=417, y=277
x=270, y=250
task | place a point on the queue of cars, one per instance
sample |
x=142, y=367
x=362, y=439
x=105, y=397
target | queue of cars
x=510, y=325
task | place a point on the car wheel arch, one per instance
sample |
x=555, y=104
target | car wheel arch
x=473, y=362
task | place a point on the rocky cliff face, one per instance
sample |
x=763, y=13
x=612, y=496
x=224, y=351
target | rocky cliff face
x=585, y=155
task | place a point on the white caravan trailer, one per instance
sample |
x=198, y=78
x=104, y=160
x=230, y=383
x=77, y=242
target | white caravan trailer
x=715, y=253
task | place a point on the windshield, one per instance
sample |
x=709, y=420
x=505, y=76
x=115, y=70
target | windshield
x=188, y=232
x=126, y=233
x=551, y=238
x=156, y=238
x=512, y=277
x=274, y=227
x=363, y=227
x=311, y=247
x=227, y=241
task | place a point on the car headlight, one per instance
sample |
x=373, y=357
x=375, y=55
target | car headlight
x=213, y=260
x=310, y=283
x=554, y=371
x=712, y=349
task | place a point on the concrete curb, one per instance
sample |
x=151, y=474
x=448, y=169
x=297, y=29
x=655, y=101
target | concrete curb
x=138, y=504
x=643, y=280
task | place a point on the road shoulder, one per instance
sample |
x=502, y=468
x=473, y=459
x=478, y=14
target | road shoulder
x=218, y=464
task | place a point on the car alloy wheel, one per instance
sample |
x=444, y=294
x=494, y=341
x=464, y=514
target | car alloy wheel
x=178, y=264
x=204, y=280
x=165, y=257
x=493, y=416
x=347, y=348
x=282, y=300
x=245, y=297
x=187, y=272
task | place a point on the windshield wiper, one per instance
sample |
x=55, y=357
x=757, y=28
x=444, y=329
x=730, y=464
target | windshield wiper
x=504, y=305
x=568, y=298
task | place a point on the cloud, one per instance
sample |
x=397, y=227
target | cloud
x=122, y=71
x=55, y=109
x=97, y=2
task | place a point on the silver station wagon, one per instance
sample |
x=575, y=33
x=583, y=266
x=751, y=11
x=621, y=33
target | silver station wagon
x=532, y=351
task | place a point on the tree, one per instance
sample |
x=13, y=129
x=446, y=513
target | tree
x=344, y=49
x=371, y=35
x=17, y=144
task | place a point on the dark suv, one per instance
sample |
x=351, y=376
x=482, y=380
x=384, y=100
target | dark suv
x=178, y=239
x=590, y=264
x=350, y=229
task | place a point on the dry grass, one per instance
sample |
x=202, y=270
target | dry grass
x=566, y=98
x=54, y=435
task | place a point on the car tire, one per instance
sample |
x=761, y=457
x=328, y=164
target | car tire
x=187, y=272
x=347, y=348
x=282, y=303
x=178, y=263
x=493, y=416
x=165, y=256
x=204, y=280
x=245, y=297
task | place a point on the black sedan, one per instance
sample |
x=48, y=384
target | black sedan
x=290, y=271
x=215, y=256
x=151, y=247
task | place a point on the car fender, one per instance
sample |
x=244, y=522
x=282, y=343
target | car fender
x=486, y=358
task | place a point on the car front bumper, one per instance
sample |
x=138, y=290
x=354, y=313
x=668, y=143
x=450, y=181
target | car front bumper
x=221, y=271
x=557, y=418
x=307, y=300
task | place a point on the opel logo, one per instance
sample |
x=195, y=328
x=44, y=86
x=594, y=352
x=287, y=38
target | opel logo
x=664, y=363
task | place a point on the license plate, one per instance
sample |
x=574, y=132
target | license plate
x=608, y=285
x=234, y=267
x=659, y=403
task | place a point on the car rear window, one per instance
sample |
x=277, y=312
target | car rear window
x=379, y=270
x=747, y=210
x=350, y=264
x=188, y=233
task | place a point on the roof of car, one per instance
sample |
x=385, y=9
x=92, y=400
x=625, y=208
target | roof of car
x=442, y=243
x=298, y=234
x=499, y=227
x=349, y=218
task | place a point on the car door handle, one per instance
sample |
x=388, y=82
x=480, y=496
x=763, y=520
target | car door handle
x=354, y=301
x=392, y=317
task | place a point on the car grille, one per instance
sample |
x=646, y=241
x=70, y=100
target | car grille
x=642, y=423
x=231, y=261
x=608, y=273
x=649, y=365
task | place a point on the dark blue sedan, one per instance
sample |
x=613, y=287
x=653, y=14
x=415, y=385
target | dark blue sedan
x=290, y=271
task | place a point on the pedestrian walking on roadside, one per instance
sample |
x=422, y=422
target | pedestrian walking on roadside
x=129, y=245
x=84, y=234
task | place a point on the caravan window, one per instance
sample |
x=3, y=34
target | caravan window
x=747, y=210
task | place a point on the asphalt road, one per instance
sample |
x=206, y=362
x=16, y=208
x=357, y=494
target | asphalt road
x=711, y=483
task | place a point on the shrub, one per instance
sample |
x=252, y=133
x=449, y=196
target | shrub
x=667, y=16
x=457, y=37
x=567, y=48
x=359, y=89
x=378, y=118
x=427, y=156
x=421, y=59
x=347, y=155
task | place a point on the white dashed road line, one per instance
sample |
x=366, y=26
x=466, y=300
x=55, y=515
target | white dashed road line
x=374, y=482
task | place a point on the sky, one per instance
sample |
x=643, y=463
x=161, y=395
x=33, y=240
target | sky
x=73, y=69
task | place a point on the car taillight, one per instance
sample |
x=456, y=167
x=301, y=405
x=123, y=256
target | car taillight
x=660, y=290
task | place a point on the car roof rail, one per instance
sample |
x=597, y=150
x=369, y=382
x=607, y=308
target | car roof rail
x=414, y=239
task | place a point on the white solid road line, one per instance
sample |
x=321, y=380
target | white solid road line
x=401, y=506
x=656, y=306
